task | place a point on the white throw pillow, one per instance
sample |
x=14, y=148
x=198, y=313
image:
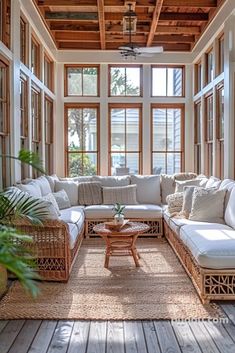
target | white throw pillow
x=32, y=188
x=179, y=185
x=213, y=182
x=208, y=205
x=51, y=179
x=44, y=185
x=71, y=189
x=167, y=186
x=125, y=195
x=50, y=198
x=148, y=188
x=187, y=200
x=230, y=209
x=62, y=199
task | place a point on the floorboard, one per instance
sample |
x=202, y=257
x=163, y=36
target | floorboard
x=80, y=336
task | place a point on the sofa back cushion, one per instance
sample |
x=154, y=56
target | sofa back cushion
x=51, y=180
x=230, y=209
x=213, y=182
x=112, y=180
x=71, y=189
x=32, y=188
x=90, y=193
x=148, y=188
x=208, y=205
x=184, y=176
x=167, y=186
x=125, y=195
x=78, y=179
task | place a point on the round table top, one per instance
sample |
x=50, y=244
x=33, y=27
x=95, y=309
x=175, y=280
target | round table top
x=131, y=228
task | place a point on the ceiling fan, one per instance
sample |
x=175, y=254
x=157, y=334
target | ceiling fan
x=131, y=50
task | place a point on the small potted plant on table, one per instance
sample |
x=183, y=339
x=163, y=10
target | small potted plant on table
x=118, y=213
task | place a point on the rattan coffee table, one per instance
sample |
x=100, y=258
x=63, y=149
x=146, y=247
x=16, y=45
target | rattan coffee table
x=121, y=243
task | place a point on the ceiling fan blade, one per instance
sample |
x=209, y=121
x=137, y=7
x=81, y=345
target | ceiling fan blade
x=149, y=50
x=125, y=48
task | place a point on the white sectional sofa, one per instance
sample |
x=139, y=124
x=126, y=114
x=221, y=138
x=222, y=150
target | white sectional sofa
x=206, y=249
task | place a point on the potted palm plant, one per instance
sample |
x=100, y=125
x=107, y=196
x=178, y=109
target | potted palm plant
x=15, y=205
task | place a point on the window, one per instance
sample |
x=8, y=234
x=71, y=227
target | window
x=4, y=123
x=82, y=80
x=209, y=134
x=35, y=57
x=197, y=138
x=220, y=129
x=167, y=81
x=36, y=120
x=48, y=72
x=167, y=138
x=209, y=66
x=82, y=139
x=23, y=41
x=221, y=54
x=198, y=77
x=125, y=145
x=24, y=143
x=5, y=21
x=48, y=116
x=125, y=80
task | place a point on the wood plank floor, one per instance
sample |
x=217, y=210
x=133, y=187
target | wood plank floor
x=45, y=336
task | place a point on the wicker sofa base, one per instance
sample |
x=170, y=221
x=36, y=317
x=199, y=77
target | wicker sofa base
x=50, y=246
x=156, y=226
x=211, y=284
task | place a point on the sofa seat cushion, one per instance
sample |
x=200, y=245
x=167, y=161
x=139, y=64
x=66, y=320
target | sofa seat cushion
x=75, y=230
x=131, y=211
x=176, y=223
x=73, y=215
x=211, y=244
x=166, y=214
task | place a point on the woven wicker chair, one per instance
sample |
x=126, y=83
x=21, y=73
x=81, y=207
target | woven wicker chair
x=51, y=248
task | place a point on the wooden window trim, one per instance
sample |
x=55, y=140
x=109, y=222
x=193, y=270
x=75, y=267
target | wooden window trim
x=24, y=79
x=36, y=42
x=125, y=66
x=140, y=152
x=208, y=142
x=220, y=39
x=6, y=121
x=25, y=60
x=49, y=144
x=197, y=87
x=169, y=67
x=207, y=81
x=36, y=89
x=182, y=137
x=49, y=61
x=197, y=144
x=66, y=151
x=6, y=27
x=67, y=66
x=220, y=141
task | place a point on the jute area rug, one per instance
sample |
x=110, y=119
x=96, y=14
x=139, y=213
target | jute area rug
x=159, y=289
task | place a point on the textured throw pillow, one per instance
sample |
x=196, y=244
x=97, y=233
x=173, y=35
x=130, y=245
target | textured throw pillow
x=167, y=186
x=90, y=193
x=175, y=202
x=208, y=205
x=179, y=185
x=112, y=181
x=71, y=189
x=125, y=195
x=50, y=198
x=148, y=188
x=62, y=199
x=187, y=200
x=213, y=182
x=184, y=176
x=44, y=185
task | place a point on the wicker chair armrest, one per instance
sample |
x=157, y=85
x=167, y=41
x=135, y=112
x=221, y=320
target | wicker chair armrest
x=24, y=223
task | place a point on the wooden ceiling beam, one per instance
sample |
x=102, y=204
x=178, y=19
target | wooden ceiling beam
x=156, y=15
x=77, y=4
x=100, y=4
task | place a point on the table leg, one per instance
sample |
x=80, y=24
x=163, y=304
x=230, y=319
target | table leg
x=135, y=257
x=107, y=252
